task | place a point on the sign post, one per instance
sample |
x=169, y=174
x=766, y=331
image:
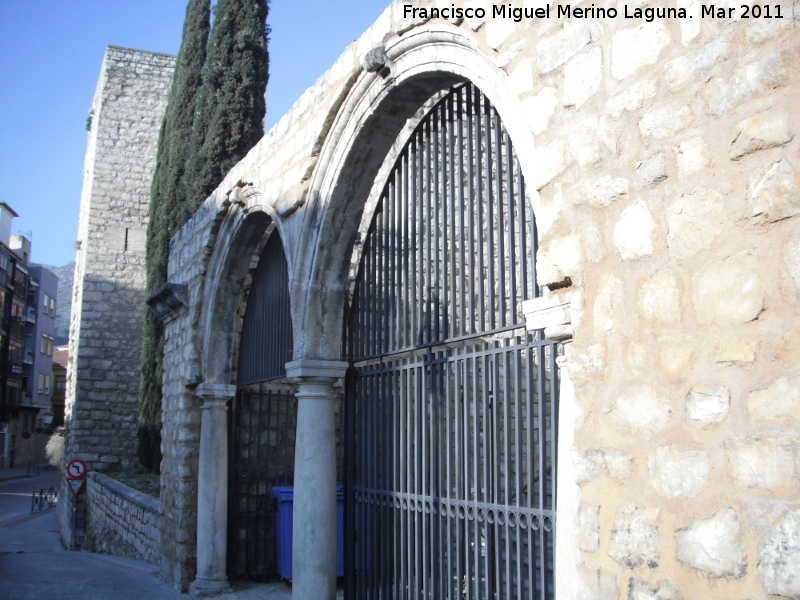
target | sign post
x=76, y=474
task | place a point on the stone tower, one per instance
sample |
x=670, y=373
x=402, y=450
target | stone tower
x=102, y=403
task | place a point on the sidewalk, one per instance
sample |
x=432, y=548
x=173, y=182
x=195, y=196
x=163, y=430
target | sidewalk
x=34, y=563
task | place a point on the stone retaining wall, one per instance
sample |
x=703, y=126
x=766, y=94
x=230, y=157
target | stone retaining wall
x=121, y=521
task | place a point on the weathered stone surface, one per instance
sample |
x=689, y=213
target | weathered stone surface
x=583, y=143
x=652, y=170
x=714, y=546
x=636, y=47
x=582, y=77
x=658, y=298
x=707, y=405
x=765, y=130
x=540, y=108
x=766, y=463
x=729, y=291
x=122, y=521
x=609, y=307
x=632, y=98
x=735, y=350
x=788, y=351
x=791, y=258
x=678, y=473
x=593, y=247
x=641, y=408
x=553, y=51
x=774, y=194
x=692, y=156
x=552, y=160
x=695, y=65
x=666, y=122
x=779, y=557
x=690, y=28
x=634, y=538
x=675, y=356
x=595, y=463
x=521, y=78
x=635, y=233
x=644, y=590
x=595, y=584
x=588, y=527
x=779, y=400
x=750, y=80
x=761, y=30
x=600, y=192
x=498, y=31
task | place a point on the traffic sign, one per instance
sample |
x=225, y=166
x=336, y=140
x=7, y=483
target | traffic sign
x=76, y=469
x=75, y=485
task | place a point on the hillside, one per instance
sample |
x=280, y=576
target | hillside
x=65, y=274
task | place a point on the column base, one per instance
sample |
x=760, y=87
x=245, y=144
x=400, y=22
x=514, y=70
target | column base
x=204, y=588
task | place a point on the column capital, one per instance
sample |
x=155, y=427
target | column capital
x=215, y=391
x=314, y=369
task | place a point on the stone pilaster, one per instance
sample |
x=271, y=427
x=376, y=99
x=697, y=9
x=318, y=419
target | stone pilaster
x=553, y=315
x=314, y=531
x=212, y=492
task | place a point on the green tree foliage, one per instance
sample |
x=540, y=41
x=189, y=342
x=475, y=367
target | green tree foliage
x=229, y=118
x=167, y=198
x=215, y=115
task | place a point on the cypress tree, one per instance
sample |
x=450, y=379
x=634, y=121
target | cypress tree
x=167, y=199
x=229, y=115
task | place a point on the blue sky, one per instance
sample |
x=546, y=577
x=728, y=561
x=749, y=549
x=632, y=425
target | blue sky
x=50, y=55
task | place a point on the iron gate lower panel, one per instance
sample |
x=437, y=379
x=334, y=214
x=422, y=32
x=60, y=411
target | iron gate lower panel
x=453, y=492
x=263, y=425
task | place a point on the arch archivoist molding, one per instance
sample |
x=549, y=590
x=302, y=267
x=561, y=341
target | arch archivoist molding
x=421, y=62
x=240, y=236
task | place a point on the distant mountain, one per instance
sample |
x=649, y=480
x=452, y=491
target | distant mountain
x=66, y=274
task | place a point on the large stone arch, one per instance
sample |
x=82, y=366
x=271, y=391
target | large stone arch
x=399, y=79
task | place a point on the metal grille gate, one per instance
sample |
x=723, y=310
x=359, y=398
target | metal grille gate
x=451, y=403
x=263, y=419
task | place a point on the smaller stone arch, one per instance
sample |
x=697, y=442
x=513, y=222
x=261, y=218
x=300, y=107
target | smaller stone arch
x=242, y=235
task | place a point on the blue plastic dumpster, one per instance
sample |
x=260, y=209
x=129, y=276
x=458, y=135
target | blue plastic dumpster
x=283, y=529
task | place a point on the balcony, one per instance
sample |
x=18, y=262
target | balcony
x=31, y=315
x=27, y=358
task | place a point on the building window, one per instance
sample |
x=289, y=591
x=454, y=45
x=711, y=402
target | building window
x=43, y=348
x=52, y=307
x=47, y=384
x=61, y=385
x=47, y=345
x=46, y=303
x=14, y=354
x=41, y=383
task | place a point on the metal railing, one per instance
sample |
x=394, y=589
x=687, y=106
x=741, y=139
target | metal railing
x=44, y=499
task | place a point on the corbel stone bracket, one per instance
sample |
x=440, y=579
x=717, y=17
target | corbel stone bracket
x=553, y=314
x=376, y=61
x=168, y=300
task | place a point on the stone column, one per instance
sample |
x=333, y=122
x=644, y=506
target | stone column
x=314, y=525
x=212, y=491
x=553, y=314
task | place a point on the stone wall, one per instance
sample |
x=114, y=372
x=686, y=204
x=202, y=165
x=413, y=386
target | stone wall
x=661, y=160
x=108, y=296
x=121, y=521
